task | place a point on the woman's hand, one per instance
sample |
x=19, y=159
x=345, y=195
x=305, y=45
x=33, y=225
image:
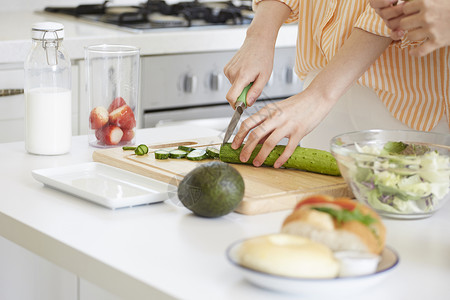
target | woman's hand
x=254, y=60
x=292, y=118
x=421, y=20
x=252, y=63
x=427, y=20
x=391, y=12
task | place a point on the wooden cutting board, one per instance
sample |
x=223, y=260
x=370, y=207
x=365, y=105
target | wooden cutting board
x=266, y=189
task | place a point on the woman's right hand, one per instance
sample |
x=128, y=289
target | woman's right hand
x=252, y=63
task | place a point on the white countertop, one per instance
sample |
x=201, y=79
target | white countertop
x=16, y=41
x=163, y=251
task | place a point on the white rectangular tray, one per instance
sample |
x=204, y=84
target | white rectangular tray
x=105, y=185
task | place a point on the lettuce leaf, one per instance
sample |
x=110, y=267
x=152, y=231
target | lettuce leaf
x=345, y=215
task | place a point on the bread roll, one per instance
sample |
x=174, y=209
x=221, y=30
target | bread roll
x=322, y=227
x=288, y=255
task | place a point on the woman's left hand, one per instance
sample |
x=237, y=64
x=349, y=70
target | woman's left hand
x=427, y=20
x=421, y=20
x=292, y=118
x=392, y=13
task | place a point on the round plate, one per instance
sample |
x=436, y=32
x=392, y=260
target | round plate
x=315, y=287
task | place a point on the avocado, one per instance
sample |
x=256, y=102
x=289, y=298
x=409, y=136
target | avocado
x=212, y=189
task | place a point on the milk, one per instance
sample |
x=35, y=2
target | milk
x=48, y=121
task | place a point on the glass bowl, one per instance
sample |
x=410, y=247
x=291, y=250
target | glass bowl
x=399, y=173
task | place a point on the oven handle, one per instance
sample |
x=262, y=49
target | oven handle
x=10, y=92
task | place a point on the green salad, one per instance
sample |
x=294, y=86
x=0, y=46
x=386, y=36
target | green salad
x=401, y=178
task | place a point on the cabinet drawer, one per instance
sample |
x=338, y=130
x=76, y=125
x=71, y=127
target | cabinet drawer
x=12, y=107
x=12, y=130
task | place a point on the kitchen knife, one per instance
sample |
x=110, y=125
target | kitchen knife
x=241, y=105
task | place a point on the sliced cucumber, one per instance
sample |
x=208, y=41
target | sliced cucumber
x=212, y=152
x=177, y=153
x=161, y=154
x=141, y=149
x=198, y=154
x=186, y=148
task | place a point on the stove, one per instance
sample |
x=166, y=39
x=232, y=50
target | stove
x=157, y=14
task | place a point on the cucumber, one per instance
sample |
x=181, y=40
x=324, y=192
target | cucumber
x=213, y=152
x=306, y=159
x=198, y=154
x=141, y=150
x=177, y=153
x=186, y=148
x=161, y=154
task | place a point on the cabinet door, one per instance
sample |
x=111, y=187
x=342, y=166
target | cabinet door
x=89, y=291
x=26, y=276
x=12, y=108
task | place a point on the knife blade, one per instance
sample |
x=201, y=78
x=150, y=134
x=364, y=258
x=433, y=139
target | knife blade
x=240, y=106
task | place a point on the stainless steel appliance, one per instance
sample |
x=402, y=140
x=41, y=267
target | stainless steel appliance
x=193, y=86
x=188, y=87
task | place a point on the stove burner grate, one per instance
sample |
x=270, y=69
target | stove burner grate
x=159, y=14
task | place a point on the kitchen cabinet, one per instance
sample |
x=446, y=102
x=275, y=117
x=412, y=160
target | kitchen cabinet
x=89, y=291
x=12, y=108
x=26, y=276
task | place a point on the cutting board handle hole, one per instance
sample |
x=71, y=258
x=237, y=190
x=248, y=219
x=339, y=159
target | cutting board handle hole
x=171, y=145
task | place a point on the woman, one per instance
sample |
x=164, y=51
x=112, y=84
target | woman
x=339, y=43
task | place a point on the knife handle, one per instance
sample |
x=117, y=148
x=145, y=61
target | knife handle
x=243, y=96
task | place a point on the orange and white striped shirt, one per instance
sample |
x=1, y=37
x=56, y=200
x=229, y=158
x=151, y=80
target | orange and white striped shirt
x=415, y=90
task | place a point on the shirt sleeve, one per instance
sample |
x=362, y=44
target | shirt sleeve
x=292, y=4
x=371, y=22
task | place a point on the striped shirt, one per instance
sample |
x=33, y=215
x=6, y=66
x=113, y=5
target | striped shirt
x=415, y=90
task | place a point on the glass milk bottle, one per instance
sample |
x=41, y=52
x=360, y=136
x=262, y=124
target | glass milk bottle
x=48, y=97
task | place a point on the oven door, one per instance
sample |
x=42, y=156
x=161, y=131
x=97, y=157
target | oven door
x=214, y=117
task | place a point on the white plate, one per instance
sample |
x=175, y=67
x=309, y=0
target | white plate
x=105, y=185
x=316, y=287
